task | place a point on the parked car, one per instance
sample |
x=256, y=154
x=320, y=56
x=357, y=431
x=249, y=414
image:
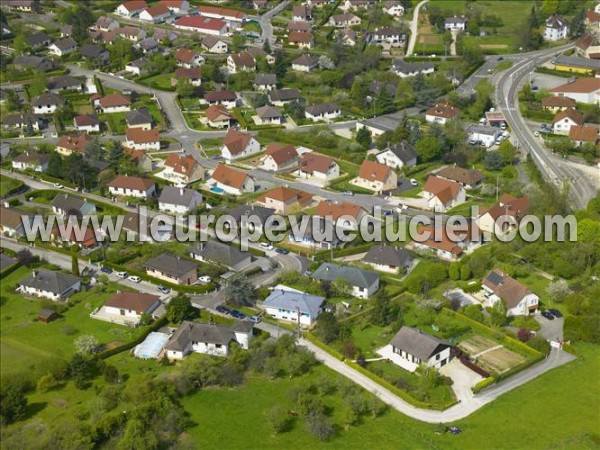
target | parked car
x=106, y=269
x=414, y=182
x=548, y=315
x=223, y=309
x=349, y=193
x=282, y=251
x=58, y=186
x=555, y=312
x=164, y=290
x=255, y=319
x=134, y=278
x=205, y=279
x=237, y=314
x=266, y=246
x=122, y=274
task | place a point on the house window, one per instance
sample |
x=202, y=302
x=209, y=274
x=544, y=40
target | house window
x=437, y=357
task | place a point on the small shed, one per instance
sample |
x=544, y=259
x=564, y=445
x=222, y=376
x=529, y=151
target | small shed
x=47, y=315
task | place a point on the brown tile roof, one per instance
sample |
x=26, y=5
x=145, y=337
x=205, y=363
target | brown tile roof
x=243, y=59
x=135, y=5
x=315, y=162
x=184, y=165
x=337, y=210
x=558, y=102
x=141, y=136
x=580, y=85
x=224, y=12
x=229, y=177
x=506, y=287
x=298, y=26
x=185, y=55
x=284, y=194
x=571, y=113
x=157, y=10
x=461, y=175
x=10, y=218
x=133, y=183
x=112, y=100
x=88, y=239
x=74, y=143
x=300, y=37
x=193, y=73
x=592, y=16
x=584, y=133
x=372, y=171
x=443, y=189
x=219, y=96
x=509, y=206
x=281, y=153
x=217, y=112
x=443, y=110
x=236, y=141
x=135, y=301
x=86, y=120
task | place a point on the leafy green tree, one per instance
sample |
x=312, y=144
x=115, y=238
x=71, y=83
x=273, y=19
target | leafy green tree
x=240, y=291
x=363, y=137
x=137, y=435
x=87, y=344
x=493, y=161
x=94, y=149
x=20, y=44
x=185, y=88
x=237, y=42
x=381, y=310
x=327, y=328
x=114, y=152
x=498, y=314
x=38, y=83
x=179, y=309
x=454, y=271
x=428, y=148
x=81, y=370
x=12, y=100
x=507, y=152
x=75, y=265
x=13, y=402
x=46, y=382
x=320, y=426
x=81, y=18
x=465, y=272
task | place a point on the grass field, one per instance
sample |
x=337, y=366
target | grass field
x=8, y=185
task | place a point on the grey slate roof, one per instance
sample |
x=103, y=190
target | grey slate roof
x=171, y=264
x=34, y=62
x=50, y=281
x=354, y=275
x=284, y=95
x=388, y=255
x=221, y=253
x=138, y=117
x=265, y=79
x=260, y=212
x=290, y=300
x=66, y=202
x=64, y=82
x=306, y=60
x=585, y=63
x=416, y=343
x=6, y=261
x=92, y=51
x=402, y=66
x=404, y=151
x=268, y=112
x=38, y=39
x=323, y=108
x=177, y=196
x=32, y=157
x=199, y=332
x=48, y=99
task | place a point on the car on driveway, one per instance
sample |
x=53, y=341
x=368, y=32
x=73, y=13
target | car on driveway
x=223, y=309
x=282, y=251
x=106, y=269
x=134, y=278
x=164, y=290
x=122, y=274
x=58, y=186
x=414, y=182
x=548, y=315
x=237, y=314
x=205, y=279
x=255, y=319
x=555, y=312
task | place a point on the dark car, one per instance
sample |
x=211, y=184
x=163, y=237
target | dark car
x=548, y=315
x=555, y=312
x=238, y=315
x=282, y=251
x=106, y=269
x=223, y=309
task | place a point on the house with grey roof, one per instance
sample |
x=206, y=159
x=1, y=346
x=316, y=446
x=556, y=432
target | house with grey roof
x=6, y=261
x=409, y=69
x=65, y=83
x=221, y=253
x=38, y=40
x=178, y=200
x=389, y=258
x=68, y=205
x=265, y=81
x=378, y=125
x=250, y=215
x=49, y=284
x=323, y=111
x=63, y=47
x=293, y=306
x=38, y=162
x=364, y=283
x=208, y=338
x=281, y=97
x=398, y=155
x=94, y=52
x=25, y=122
x=139, y=118
x=410, y=348
x=173, y=269
x=22, y=62
x=47, y=103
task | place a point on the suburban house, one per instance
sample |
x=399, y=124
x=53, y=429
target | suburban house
x=376, y=177
x=29, y=160
x=334, y=212
x=11, y=222
x=232, y=16
x=139, y=118
x=301, y=13
x=207, y=338
x=68, y=238
x=564, y=120
x=22, y=62
x=556, y=28
x=284, y=200
x=173, y=269
x=49, y=284
x=140, y=139
x=582, y=90
x=387, y=36
x=213, y=44
x=193, y=75
x=324, y=111
x=221, y=253
x=344, y=20
x=65, y=83
x=518, y=298
x=206, y=25
x=22, y=122
x=224, y=98
x=279, y=157
x=469, y=178
x=38, y=40
x=181, y=170
x=364, y=283
x=127, y=308
x=442, y=194
x=155, y=14
x=555, y=104
x=268, y=115
x=398, y=156
x=586, y=134
x=588, y=45
x=483, y=134
x=293, y=306
x=576, y=64
x=347, y=37
x=410, y=69
x=250, y=216
x=353, y=5
x=449, y=243
x=137, y=67
x=280, y=97
x=131, y=8
x=508, y=208
x=104, y=23
x=313, y=234
x=47, y=103
x=67, y=205
x=178, y=200
x=393, y=8
x=302, y=27
x=137, y=187
x=112, y=103
x=63, y=47
x=389, y=258
x=318, y=167
x=455, y=23
x=87, y=123
x=592, y=18
x=265, y=81
x=410, y=348
x=133, y=34
x=188, y=58
x=177, y=7
x=301, y=39
x=305, y=63
x=77, y=143
x=237, y=144
x=217, y=116
x=241, y=62
x=232, y=181
x=441, y=113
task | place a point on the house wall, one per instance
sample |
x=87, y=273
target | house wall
x=189, y=278
x=219, y=48
x=44, y=109
x=131, y=192
x=175, y=209
x=115, y=109
x=582, y=97
x=553, y=34
x=289, y=316
x=88, y=128
x=523, y=308
x=33, y=166
x=365, y=292
x=143, y=145
x=47, y=294
x=563, y=126
x=252, y=148
x=435, y=119
x=210, y=348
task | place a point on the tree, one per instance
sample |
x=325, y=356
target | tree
x=326, y=63
x=185, y=88
x=359, y=91
x=363, y=137
x=114, y=152
x=24, y=257
x=13, y=402
x=295, y=109
x=12, y=100
x=137, y=435
x=179, y=309
x=111, y=374
x=87, y=344
x=428, y=148
x=94, y=149
x=240, y=291
x=498, y=314
x=75, y=265
x=465, y=272
x=577, y=25
x=454, y=271
x=381, y=309
x=81, y=369
x=493, y=161
x=320, y=426
x=507, y=151
x=237, y=42
x=38, y=83
x=327, y=328
x=20, y=44
x=80, y=17
x=267, y=47
x=46, y=382
x=558, y=290
x=278, y=420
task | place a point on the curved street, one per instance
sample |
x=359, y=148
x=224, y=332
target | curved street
x=414, y=29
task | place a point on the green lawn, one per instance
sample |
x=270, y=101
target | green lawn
x=7, y=185
x=161, y=81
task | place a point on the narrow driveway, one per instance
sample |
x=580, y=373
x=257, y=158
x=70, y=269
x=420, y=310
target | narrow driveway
x=414, y=29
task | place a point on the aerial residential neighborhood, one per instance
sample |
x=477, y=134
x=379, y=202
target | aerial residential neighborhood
x=291, y=224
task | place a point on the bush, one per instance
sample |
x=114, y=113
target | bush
x=483, y=384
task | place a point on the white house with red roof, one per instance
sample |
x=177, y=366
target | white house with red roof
x=443, y=194
x=124, y=186
x=127, y=308
x=132, y=8
x=200, y=24
x=237, y=144
x=155, y=14
x=188, y=58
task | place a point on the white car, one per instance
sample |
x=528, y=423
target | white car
x=266, y=246
x=414, y=182
x=205, y=279
x=58, y=186
x=536, y=133
x=134, y=278
x=121, y=274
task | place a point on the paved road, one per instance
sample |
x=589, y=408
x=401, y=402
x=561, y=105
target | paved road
x=265, y=21
x=582, y=183
x=414, y=29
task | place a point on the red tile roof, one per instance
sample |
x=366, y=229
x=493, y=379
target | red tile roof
x=217, y=112
x=133, y=183
x=113, y=100
x=141, y=136
x=74, y=143
x=372, y=171
x=281, y=153
x=134, y=301
x=236, y=141
x=229, y=177
x=584, y=133
x=184, y=165
x=203, y=23
x=443, y=189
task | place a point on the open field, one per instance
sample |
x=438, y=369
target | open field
x=500, y=360
x=476, y=344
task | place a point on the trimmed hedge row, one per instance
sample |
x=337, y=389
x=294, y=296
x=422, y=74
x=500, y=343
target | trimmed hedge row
x=483, y=384
x=312, y=338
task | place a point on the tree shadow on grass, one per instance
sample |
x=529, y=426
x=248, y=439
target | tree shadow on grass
x=34, y=408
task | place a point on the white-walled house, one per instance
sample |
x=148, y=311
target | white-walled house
x=393, y=8
x=324, y=111
x=127, y=308
x=131, y=8
x=178, y=200
x=155, y=14
x=293, y=306
x=556, y=28
x=231, y=180
x=47, y=103
x=442, y=194
x=564, y=120
x=316, y=166
x=520, y=301
x=237, y=144
x=411, y=347
x=582, y=90
x=455, y=23
x=63, y=47
x=137, y=187
x=140, y=139
x=364, y=283
x=398, y=156
x=38, y=162
x=389, y=258
x=49, y=284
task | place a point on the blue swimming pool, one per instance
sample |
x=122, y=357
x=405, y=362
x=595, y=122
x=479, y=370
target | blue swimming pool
x=217, y=190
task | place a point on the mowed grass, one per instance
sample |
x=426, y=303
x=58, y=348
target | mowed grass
x=8, y=185
x=26, y=343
